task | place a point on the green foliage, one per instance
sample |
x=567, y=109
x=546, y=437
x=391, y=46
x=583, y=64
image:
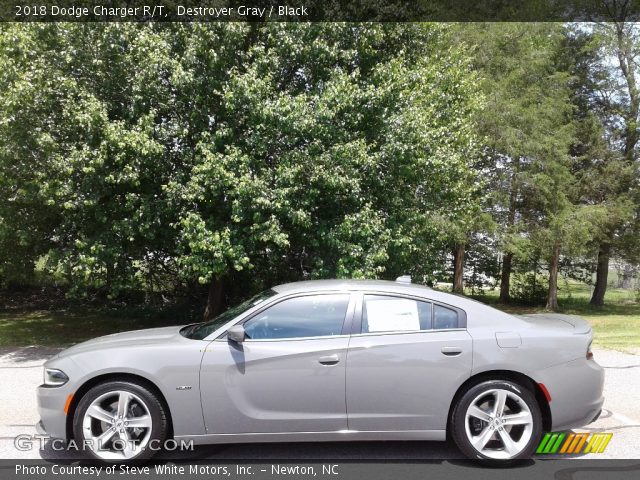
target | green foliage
x=529, y=128
x=551, y=176
x=160, y=156
x=608, y=103
x=144, y=160
x=481, y=263
x=529, y=288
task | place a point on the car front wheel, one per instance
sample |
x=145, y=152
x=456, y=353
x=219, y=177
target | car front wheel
x=120, y=422
x=497, y=420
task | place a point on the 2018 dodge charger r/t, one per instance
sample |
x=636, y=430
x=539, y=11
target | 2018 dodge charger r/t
x=330, y=360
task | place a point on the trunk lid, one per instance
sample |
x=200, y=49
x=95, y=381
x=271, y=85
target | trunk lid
x=558, y=321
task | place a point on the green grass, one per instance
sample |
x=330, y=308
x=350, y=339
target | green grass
x=41, y=327
x=615, y=326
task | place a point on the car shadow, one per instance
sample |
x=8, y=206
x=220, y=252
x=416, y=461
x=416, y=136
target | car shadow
x=390, y=451
x=320, y=451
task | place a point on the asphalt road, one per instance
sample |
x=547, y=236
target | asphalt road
x=21, y=372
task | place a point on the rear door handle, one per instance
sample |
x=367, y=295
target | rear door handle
x=329, y=359
x=451, y=351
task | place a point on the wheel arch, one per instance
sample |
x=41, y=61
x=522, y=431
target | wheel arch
x=510, y=375
x=110, y=377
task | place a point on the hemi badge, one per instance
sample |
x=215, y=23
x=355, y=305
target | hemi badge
x=184, y=387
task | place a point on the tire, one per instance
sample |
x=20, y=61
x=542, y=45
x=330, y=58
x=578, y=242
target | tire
x=481, y=432
x=120, y=420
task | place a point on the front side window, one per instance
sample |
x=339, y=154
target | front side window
x=299, y=317
x=202, y=330
x=381, y=313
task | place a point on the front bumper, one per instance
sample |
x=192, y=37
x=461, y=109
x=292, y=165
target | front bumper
x=51, y=403
x=576, y=393
x=40, y=428
x=53, y=400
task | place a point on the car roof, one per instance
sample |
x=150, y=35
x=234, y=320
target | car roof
x=355, y=285
x=385, y=286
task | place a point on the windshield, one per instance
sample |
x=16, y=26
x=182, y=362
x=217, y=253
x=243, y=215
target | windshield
x=200, y=331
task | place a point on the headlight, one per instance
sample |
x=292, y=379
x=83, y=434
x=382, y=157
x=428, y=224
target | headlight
x=54, y=377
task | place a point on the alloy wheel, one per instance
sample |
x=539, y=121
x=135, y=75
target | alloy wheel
x=498, y=424
x=117, y=425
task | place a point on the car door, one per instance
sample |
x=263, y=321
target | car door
x=405, y=363
x=289, y=373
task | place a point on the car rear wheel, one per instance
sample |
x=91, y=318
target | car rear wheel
x=120, y=422
x=497, y=420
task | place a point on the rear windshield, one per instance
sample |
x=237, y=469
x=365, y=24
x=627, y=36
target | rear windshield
x=200, y=331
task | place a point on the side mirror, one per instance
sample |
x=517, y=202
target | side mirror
x=236, y=334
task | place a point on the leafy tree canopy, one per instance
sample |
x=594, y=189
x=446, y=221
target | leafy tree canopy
x=144, y=156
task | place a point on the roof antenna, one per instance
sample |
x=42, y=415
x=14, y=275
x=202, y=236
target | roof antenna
x=404, y=279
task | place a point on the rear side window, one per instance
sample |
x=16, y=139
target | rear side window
x=393, y=314
x=381, y=313
x=309, y=316
x=444, y=317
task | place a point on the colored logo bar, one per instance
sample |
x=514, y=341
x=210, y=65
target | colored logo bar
x=573, y=443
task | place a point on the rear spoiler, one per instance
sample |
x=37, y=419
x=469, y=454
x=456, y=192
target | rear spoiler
x=580, y=325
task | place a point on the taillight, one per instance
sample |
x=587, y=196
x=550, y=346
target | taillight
x=589, y=352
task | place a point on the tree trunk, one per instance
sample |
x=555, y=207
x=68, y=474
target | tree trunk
x=458, y=268
x=602, y=272
x=214, y=300
x=507, y=261
x=505, y=278
x=552, y=297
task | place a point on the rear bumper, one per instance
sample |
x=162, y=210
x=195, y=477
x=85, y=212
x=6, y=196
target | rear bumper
x=576, y=393
x=596, y=417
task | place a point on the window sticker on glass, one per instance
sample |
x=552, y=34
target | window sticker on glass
x=392, y=315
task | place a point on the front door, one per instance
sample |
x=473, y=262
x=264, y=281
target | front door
x=287, y=376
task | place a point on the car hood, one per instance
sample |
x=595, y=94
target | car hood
x=137, y=337
x=557, y=322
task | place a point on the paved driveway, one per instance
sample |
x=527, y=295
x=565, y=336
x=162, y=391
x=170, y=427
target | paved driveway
x=21, y=372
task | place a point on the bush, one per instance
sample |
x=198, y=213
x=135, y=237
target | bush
x=529, y=288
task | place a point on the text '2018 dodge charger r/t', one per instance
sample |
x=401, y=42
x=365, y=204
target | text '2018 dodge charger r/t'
x=330, y=360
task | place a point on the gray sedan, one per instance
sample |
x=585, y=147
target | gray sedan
x=334, y=360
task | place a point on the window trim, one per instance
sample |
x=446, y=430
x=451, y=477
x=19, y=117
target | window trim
x=357, y=320
x=346, y=322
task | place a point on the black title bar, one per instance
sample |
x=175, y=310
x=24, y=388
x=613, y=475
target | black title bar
x=319, y=10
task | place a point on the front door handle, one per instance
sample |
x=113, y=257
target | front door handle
x=451, y=351
x=329, y=359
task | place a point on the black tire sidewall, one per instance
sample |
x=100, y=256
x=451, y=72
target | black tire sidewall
x=458, y=431
x=156, y=411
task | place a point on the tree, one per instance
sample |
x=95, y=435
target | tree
x=527, y=129
x=558, y=224
x=195, y=153
x=612, y=87
x=338, y=150
x=468, y=232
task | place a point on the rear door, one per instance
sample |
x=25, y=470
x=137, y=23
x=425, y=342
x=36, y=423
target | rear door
x=405, y=362
x=289, y=373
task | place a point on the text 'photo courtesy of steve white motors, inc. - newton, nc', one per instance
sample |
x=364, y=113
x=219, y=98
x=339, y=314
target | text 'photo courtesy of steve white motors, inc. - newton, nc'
x=161, y=11
x=209, y=470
